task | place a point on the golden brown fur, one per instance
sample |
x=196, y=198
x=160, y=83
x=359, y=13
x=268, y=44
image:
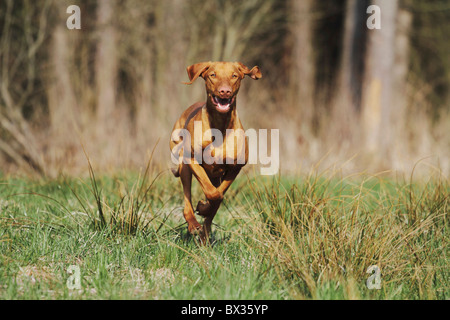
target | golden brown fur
x=222, y=81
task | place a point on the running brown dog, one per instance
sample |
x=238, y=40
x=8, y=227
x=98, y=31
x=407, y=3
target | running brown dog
x=223, y=80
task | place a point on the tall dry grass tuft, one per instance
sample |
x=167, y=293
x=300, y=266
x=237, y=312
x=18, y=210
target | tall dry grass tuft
x=127, y=211
x=325, y=230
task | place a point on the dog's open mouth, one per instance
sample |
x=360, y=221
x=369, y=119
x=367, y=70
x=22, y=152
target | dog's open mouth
x=222, y=105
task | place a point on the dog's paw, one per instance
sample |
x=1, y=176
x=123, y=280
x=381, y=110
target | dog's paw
x=203, y=208
x=195, y=228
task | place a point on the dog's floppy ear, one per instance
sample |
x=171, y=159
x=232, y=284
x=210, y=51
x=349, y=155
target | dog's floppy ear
x=197, y=70
x=254, y=73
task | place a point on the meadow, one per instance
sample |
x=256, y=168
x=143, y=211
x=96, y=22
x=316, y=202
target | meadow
x=310, y=236
x=337, y=91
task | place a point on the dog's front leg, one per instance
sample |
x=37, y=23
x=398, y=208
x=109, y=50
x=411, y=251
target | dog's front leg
x=211, y=192
x=209, y=208
x=228, y=179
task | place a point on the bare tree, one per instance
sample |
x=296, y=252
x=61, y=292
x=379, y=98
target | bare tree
x=18, y=76
x=63, y=105
x=302, y=75
x=106, y=64
x=400, y=71
x=378, y=81
x=347, y=104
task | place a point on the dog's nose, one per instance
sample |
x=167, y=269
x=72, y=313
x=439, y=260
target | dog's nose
x=225, y=92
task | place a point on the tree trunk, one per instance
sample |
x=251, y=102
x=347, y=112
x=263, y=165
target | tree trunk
x=106, y=65
x=64, y=113
x=378, y=82
x=400, y=72
x=302, y=74
x=347, y=105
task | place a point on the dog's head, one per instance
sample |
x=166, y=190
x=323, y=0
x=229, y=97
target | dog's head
x=223, y=80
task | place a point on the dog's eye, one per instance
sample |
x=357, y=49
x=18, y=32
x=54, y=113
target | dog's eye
x=234, y=76
x=212, y=75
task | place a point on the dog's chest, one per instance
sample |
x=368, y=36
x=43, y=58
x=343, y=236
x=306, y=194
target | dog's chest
x=228, y=148
x=215, y=170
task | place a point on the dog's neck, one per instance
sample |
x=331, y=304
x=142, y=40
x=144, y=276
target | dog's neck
x=221, y=121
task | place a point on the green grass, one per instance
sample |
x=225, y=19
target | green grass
x=306, y=237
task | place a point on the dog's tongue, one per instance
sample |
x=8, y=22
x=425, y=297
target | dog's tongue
x=222, y=105
x=223, y=108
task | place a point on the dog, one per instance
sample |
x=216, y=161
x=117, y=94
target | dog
x=218, y=115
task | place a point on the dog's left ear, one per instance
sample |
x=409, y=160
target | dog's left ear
x=254, y=73
x=197, y=70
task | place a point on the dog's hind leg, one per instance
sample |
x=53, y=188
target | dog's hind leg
x=186, y=179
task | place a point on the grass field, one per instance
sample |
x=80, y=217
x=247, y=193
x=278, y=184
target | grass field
x=307, y=237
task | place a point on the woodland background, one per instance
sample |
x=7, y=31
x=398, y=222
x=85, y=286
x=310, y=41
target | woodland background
x=340, y=94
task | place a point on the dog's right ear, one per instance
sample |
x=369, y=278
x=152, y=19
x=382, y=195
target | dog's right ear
x=197, y=70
